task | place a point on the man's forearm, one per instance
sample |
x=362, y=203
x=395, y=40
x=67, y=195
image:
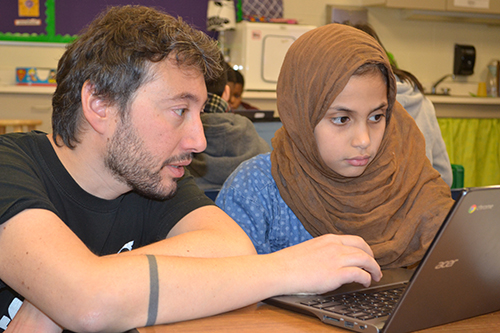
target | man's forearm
x=201, y=244
x=207, y=232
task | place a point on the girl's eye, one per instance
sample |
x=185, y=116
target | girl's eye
x=180, y=112
x=340, y=120
x=377, y=117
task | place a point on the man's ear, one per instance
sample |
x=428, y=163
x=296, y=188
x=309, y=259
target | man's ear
x=95, y=109
x=226, y=95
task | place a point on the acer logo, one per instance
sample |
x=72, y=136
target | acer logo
x=445, y=264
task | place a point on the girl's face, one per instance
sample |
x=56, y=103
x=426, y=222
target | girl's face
x=350, y=133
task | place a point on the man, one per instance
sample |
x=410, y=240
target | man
x=220, y=89
x=100, y=228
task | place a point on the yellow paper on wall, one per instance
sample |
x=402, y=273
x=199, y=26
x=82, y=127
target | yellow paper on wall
x=474, y=143
x=30, y=8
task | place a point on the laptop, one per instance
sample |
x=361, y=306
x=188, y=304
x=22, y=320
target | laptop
x=458, y=278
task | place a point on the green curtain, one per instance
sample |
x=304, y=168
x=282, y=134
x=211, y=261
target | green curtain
x=474, y=144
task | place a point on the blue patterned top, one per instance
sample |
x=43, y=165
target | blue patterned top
x=250, y=196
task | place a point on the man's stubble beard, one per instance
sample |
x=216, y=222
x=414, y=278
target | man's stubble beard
x=131, y=164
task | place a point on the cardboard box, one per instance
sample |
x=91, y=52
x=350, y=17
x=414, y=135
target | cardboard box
x=35, y=76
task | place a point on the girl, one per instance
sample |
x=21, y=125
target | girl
x=348, y=159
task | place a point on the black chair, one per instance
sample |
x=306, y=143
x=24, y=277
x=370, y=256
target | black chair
x=212, y=194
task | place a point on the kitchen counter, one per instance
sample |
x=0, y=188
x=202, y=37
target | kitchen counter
x=465, y=106
x=443, y=99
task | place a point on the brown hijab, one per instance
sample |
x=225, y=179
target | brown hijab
x=400, y=201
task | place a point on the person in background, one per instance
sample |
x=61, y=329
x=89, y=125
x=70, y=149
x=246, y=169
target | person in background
x=231, y=138
x=231, y=79
x=349, y=160
x=410, y=94
x=219, y=90
x=236, y=101
x=102, y=229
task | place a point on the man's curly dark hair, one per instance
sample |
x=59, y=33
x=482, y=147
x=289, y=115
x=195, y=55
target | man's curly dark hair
x=114, y=54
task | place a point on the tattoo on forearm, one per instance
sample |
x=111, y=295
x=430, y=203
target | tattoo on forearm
x=153, y=290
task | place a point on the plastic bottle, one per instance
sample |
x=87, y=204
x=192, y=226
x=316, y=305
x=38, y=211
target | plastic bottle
x=491, y=79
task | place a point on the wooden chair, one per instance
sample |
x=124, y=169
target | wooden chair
x=18, y=125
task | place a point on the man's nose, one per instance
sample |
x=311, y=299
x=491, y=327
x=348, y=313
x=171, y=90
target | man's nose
x=195, y=140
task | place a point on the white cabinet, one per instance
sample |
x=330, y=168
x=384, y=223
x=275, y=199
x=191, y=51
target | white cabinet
x=417, y=4
x=474, y=6
x=27, y=103
x=472, y=11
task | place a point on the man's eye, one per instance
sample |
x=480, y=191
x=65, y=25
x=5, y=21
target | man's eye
x=180, y=112
x=340, y=120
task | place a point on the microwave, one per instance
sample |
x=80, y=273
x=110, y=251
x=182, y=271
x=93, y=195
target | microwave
x=257, y=50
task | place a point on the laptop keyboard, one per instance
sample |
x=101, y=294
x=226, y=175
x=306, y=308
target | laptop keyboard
x=363, y=305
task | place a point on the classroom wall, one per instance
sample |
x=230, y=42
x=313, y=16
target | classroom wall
x=14, y=55
x=424, y=48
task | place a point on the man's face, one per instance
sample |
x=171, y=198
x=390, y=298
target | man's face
x=149, y=149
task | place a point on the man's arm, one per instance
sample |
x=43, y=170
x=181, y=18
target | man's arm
x=45, y=262
x=205, y=232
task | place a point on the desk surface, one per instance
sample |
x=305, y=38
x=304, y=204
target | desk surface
x=264, y=318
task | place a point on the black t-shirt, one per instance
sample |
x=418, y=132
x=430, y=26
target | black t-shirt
x=32, y=176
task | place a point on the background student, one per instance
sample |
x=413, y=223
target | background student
x=236, y=100
x=349, y=160
x=231, y=138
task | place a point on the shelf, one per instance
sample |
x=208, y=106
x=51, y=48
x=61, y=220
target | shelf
x=39, y=90
x=437, y=99
x=269, y=95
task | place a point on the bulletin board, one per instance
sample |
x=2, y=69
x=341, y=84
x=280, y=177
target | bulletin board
x=27, y=20
x=60, y=21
